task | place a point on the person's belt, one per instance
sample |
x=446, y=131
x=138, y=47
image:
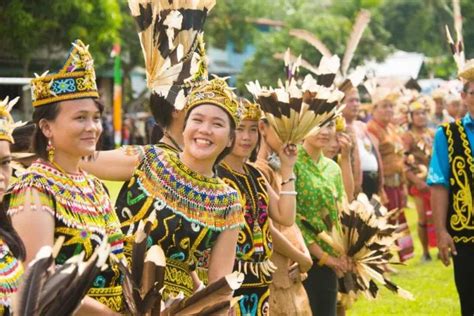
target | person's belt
x=371, y=174
x=393, y=180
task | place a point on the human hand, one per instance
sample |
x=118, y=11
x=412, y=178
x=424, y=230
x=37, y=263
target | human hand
x=446, y=246
x=338, y=265
x=288, y=154
x=345, y=143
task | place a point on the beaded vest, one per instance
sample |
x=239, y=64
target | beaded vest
x=254, y=245
x=461, y=184
x=68, y=198
x=11, y=272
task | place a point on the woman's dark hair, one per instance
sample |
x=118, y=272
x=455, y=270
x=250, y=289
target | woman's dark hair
x=161, y=110
x=8, y=233
x=254, y=153
x=50, y=112
x=23, y=137
x=226, y=150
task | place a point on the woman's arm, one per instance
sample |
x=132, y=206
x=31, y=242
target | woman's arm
x=282, y=209
x=287, y=249
x=113, y=165
x=338, y=265
x=36, y=229
x=223, y=255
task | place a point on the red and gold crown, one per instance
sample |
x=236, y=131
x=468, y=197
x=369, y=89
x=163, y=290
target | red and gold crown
x=7, y=124
x=75, y=80
x=218, y=93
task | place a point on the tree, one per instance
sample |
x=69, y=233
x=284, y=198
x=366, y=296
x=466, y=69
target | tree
x=30, y=27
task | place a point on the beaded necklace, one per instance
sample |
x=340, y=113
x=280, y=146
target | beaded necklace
x=94, y=198
x=251, y=195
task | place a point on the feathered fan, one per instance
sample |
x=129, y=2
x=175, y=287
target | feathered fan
x=465, y=68
x=49, y=291
x=145, y=279
x=169, y=32
x=208, y=301
x=346, y=81
x=367, y=239
x=294, y=110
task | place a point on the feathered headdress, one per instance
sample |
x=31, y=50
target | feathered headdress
x=75, y=80
x=170, y=33
x=346, y=81
x=293, y=109
x=465, y=68
x=251, y=111
x=379, y=93
x=7, y=124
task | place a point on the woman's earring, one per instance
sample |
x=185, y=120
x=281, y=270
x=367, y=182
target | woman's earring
x=50, y=150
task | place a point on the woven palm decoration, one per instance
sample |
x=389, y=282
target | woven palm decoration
x=345, y=81
x=49, y=290
x=367, y=239
x=170, y=33
x=295, y=109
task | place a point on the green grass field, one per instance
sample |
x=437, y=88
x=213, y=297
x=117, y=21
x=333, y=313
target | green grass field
x=432, y=284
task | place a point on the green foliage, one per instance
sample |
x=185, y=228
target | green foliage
x=31, y=26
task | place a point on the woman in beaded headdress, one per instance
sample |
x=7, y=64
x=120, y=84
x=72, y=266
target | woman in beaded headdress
x=54, y=197
x=418, y=141
x=196, y=211
x=261, y=203
x=12, y=250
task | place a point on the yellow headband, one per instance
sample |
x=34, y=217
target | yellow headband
x=7, y=124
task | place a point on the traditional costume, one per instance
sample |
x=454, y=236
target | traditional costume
x=288, y=297
x=79, y=203
x=11, y=269
x=418, y=148
x=191, y=209
x=254, y=246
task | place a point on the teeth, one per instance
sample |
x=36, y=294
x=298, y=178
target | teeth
x=203, y=141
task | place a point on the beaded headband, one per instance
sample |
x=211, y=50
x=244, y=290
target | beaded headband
x=7, y=124
x=218, y=93
x=75, y=80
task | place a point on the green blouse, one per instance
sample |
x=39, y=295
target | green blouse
x=320, y=190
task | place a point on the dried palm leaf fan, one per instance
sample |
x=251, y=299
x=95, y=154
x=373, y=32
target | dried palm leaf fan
x=294, y=109
x=345, y=81
x=170, y=33
x=49, y=290
x=145, y=278
x=367, y=239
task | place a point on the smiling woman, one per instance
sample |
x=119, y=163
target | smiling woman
x=54, y=197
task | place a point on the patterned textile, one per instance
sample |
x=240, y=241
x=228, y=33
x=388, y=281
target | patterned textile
x=11, y=272
x=254, y=245
x=254, y=301
x=320, y=189
x=191, y=212
x=460, y=208
x=83, y=214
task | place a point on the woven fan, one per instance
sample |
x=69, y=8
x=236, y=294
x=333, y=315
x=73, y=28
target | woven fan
x=49, y=290
x=169, y=32
x=367, y=239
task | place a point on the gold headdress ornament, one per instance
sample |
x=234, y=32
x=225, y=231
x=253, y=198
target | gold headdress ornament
x=251, y=111
x=218, y=93
x=346, y=81
x=170, y=35
x=7, y=124
x=75, y=80
x=293, y=109
x=465, y=68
